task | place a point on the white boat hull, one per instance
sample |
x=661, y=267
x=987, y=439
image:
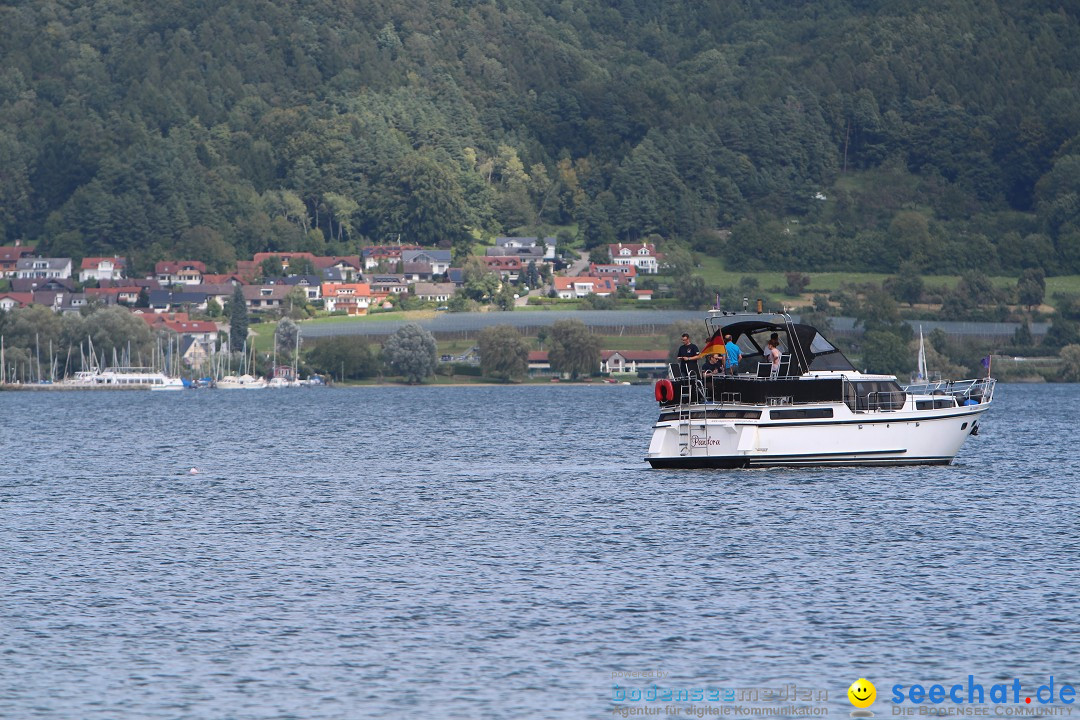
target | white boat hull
x=931, y=437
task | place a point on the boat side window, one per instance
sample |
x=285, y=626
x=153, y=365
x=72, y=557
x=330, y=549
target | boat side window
x=878, y=395
x=806, y=414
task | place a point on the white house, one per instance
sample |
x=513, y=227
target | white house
x=642, y=256
x=529, y=242
x=439, y=260
x=179, y=272
x=102, y=268
x=39, y=267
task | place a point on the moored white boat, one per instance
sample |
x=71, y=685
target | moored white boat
x=131, y=378
x=816, y=410
x=242, y=382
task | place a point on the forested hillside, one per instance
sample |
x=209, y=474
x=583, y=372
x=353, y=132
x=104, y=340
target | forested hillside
x=826, y=135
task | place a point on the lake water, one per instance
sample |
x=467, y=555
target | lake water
x=503, y=552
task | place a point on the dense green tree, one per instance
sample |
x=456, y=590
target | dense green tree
x=886, y=352
x=1070, y=363
x=907, y=285
x=573, y=349
x=286, y=337
x=504, y=298
x=693, y=293
x=411, y=353
x=424, y=203
x=271, y=267
x=346, y=357
x=480, y=283
x=238, y=320
x=1031, y=288
x=503, y=352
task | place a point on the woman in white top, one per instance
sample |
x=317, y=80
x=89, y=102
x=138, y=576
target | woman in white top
x=772, y=352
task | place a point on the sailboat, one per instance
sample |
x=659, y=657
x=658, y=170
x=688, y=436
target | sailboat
x=922, y=376
x=245, y=381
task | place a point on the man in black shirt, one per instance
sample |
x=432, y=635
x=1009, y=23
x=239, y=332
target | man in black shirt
x=688, y=355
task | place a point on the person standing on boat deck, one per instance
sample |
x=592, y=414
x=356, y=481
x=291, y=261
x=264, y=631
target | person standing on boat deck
x=772, y=352
x=688, y=354
x=734, y=352
x=776, y=337
x=713, y=366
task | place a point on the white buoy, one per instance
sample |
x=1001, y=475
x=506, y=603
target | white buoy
x=193, y=471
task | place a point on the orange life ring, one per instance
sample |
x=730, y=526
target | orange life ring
x=664, y=391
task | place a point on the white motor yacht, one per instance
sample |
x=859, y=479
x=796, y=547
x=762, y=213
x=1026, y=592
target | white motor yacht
x=815, y=409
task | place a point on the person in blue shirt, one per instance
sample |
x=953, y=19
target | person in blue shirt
x=733, y=355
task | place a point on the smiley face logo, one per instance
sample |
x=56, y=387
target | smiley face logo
x=862, y=693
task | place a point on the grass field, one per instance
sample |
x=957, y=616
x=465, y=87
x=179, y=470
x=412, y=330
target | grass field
x=713, y=272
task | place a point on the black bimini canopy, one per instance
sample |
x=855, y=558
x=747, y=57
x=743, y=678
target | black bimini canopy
x=808, y=348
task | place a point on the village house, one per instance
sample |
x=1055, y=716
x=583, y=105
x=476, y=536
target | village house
x=180, y=272
x=438, y=261
x=633, y=361
x=568, y=288
x=416, y=271
x=198, y=339
x=623, y=274
x=10, y=254
x=643, y=256
x=434, y=292
x=128, y=295
x=387, y=254
x=102, y=268
x=174, y=300
x=70, y=303
x=310, y=284
x=43, y=268
x=508, y=268
x=12, y=300
x=35, y=284
x=389, y=284
x=260, y=298
x=352, y=298
x=222, y=279
x=221, y=293
x=539, y=249
x=539, y=363
x=349, y=267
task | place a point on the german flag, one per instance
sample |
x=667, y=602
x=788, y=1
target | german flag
x=716, y=345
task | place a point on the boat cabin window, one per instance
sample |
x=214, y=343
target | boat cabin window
x=802, y=414
x=874, y=395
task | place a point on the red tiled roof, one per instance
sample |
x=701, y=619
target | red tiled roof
x=321, y=263
x=11, y=253
x=191, y=326
x=23, y=298
x=335, y=289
